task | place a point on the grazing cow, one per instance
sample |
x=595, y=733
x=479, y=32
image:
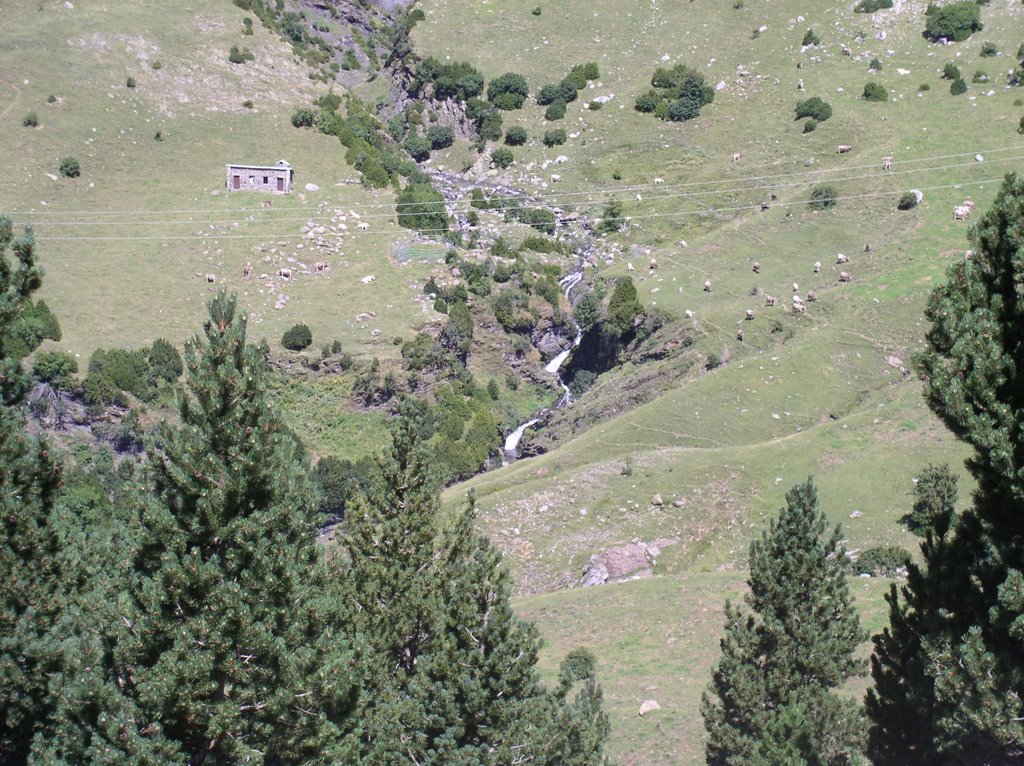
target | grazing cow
x=366, y=280
x=811, y=296
x=739, y=334
x=961, y=213
x=844, y=276
x=211, y=278
x=886, y=163
x=749, y=316
x=844, y=148
x=266, y=203
x=689, y=314
x=247, y=270
x=286, y=273
x=774, y=197
x=757, y=267
x=867, y=248
x=764, y=206
x=799, y=308
x=653, y=265
x=800, y=84
x=736, y=156
x=363, y=226
x=555, y=178
x=629, y=267
x=321, y=266
x=846, y=50
x=639, y=198
x=796, y=287
x=659, y=181
x=707, y=285
x=842, y=258
x=769, y=300
x=817, y=267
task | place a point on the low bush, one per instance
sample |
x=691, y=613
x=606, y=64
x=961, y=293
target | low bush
x=556, y=111
x=130, y=82
x=236, y=56
x=980, y=76
x=875, y=65
x=810, y=38
x=417, y=146
x=870, y=6
x=508, y=91
x=55, y=367
x=69, y=167
x=555, y=137
x=951, y=71
x=502, y=157
x=874, y=91
x=810, y=126
x=815, y=108
x=30, y=120
x=823, y=197
x=958, y=87
x=516, y=136
x=303, y=117
x=882, y=561
x=907, y=202
x=297, y=338
x=989, y=49
x=678, y=94
x=956, y=21
x=440, y=136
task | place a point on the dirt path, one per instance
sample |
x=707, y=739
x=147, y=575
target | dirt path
x=17, y=96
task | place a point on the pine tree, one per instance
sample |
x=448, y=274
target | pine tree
x=452, y=678
x=229, y=644
x=771, y=699
x=31, y=598
x=955, y=648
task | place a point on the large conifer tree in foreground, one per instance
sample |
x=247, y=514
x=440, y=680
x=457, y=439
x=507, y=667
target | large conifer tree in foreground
x=30, y=596
x=451, y=678
x=968, y=618
x=772, y=698
x=230, y=645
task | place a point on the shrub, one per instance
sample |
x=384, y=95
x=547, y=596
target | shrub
x=980, y=76
x=907, y=202
x=303, y=117
x=958, y=87
x=612, y=217
x=236, y=56
x=51, y=99
x=810, y=126
x=882, y=561
x=989, y=49
x=956, y=21
x=130, y=82
x=440, y=136
x=951, y=71
x=810, y=38
x=502, y=157
x=815, y=108
x=870, y=6
x=1020, y=127
x=55, y=367
x=508, y=91
x=421, y=206
x=876, y=65
x=678, y=94
x=923, y=87
x=823, y=197
x=555, y=111
x=30, y=120
x=647, y=102
x=417, y=146
x=548, y=94
x=164, y=361
x=596, y=106
x=713, y=361
x=555, y=137
x=874, y=91
x=69, y=167
x=536, y=11
x=297, y=338
x=516, y=136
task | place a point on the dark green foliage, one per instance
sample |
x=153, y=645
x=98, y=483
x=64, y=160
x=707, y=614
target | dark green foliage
x=508, y=91
x=951, y=72
x=230, y=617
x=882, y=561
x=956, y=21
x=303, y=117
x=458, y=79
x=236, y=56
x=541, y=219
x=874, y=91
x=421, y=206
x=870, y=6
x=810, y=126
x=423, y=352
x=907, y=201
x=337, y=482
x=612, y=217
x=935, y=496
x=587, y=311
x=298, y=337
x=623, y=306
x=31, y=600
x=417, y=146
x=556, y=111
x=516, y=136
x=54, y=367
x=772, y=695
x=555, y=137
x=875, y=65
x=30, y=120
x=961, y=613
x=823, y=197
x=713, y=361
x=1020, y=126
x=69, y=167
x=502, y=157
x=440, y=136
x=164, y=361
x=127, y=370
x=453, y=674
x=958, y=87
x=548, y=94
x=980, y=76
x=810, y=38
x=678, y=94
x=989, y=49
x=815, y=108
x=33, y=325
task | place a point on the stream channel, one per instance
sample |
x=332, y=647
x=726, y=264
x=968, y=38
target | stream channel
x=511, y=452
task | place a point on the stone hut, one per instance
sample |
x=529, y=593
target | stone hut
x=277, y=178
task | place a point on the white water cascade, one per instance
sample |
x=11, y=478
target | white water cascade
x=567, y=283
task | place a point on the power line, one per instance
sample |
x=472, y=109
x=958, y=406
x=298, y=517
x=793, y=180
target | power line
x=558, y=195
x=675, y=214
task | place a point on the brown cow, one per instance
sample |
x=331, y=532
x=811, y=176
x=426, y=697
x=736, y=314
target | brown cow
x=247, y=270
x=757, y=267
